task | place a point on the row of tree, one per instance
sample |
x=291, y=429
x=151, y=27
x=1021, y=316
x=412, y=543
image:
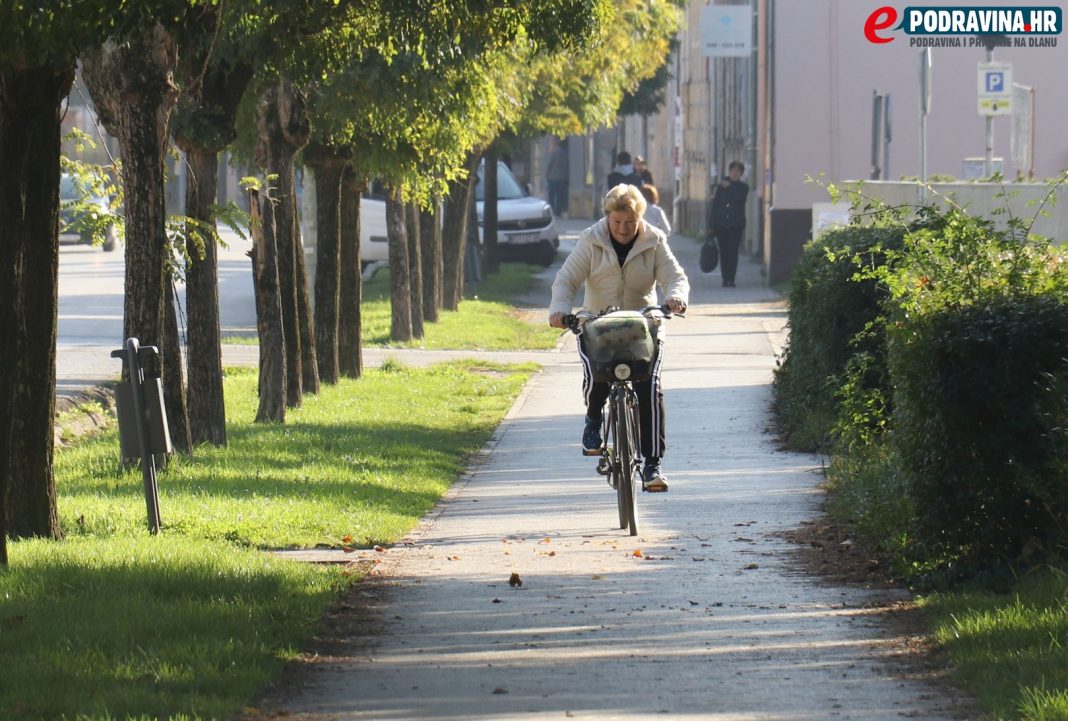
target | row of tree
x=411, y=93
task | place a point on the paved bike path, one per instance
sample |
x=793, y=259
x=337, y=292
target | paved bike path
x=703, y=615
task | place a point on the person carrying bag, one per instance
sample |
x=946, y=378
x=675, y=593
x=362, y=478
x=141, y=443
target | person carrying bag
x=709, y=255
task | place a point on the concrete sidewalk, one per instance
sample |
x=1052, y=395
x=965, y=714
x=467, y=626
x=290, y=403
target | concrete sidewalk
x=702, y=616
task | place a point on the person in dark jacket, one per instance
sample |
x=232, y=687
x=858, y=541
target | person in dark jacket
x=726, y=220
x=624, y=172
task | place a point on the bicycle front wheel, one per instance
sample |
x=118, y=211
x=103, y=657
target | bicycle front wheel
x=626, y=433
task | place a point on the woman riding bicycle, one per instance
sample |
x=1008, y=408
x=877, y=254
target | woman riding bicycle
x=621, y=259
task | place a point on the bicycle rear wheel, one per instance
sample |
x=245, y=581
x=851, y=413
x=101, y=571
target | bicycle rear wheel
x=626, y=433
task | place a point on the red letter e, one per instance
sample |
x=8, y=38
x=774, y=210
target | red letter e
x=881, y=19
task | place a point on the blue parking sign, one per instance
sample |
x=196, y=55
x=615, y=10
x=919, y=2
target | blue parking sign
x=995, y=81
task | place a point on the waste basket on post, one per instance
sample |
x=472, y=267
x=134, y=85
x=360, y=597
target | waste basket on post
x=143, y=431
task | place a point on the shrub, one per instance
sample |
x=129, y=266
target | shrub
x=833, y=302
x=980, y=423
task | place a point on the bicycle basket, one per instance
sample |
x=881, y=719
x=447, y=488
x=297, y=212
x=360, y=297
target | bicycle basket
x=621, y=338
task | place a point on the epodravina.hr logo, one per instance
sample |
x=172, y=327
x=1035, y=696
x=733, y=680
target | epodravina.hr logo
x=940, y=20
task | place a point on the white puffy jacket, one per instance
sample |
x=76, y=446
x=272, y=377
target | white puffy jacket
x=630, y=287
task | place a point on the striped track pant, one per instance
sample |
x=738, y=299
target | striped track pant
x=651, y=431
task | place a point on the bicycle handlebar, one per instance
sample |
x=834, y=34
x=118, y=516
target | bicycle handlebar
x=575, y=321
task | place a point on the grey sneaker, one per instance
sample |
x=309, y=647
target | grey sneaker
x=653, y=478
x=591, y=437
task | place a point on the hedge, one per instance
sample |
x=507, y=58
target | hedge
x=980, y=423
x=828, y=312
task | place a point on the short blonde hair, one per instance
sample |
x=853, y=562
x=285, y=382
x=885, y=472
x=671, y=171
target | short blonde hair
x=625, y=197
x=651, y=196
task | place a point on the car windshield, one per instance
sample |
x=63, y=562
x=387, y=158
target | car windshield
x=507, y=186
x=68, y=190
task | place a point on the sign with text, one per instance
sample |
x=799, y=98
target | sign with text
x=726, y=31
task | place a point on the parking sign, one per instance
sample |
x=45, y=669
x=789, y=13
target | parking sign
x=995, y=89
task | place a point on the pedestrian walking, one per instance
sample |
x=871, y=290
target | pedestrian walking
x=558, y=177
x=623, y=172
x=654, y=214
x=642, y=171
x=726, y=219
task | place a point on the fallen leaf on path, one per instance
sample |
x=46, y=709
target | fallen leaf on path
x=637, y=553
x=514, y=580
x=499, y=691
x=751, y=567
x=379, y=549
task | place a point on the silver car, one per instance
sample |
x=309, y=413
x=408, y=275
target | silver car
x=526, y=227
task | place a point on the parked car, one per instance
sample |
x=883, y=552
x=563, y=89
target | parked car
x=526, y=227
x=374, y=244
x=83, y=215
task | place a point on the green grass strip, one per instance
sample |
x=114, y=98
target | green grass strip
x=486, y=320
x=1010, y=649
x=116, y=624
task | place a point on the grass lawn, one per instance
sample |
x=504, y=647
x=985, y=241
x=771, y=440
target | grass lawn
x=1010, y=649
x=486, y=321
x=115, y=624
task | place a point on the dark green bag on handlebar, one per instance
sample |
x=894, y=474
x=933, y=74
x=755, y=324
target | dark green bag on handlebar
x=622, y=338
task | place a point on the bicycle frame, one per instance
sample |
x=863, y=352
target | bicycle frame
x=621, y=453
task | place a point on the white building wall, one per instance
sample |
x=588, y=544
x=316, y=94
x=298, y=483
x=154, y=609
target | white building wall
x=826, y=70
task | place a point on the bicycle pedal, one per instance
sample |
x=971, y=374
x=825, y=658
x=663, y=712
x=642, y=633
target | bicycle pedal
x=592, y=451
x=603, y=467
x=655, y=488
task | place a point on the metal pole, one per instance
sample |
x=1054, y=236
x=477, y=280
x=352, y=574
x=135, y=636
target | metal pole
x=988, y=164
x=925, y=108
x=148, y=462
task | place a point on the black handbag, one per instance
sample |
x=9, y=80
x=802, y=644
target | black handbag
x=709, y=256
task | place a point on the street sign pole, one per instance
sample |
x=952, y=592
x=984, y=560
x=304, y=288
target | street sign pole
x=988, y=165
x=925, y=108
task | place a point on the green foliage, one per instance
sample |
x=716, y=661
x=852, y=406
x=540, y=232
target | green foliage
x=979, y=424
x=584, y=86
x=833, y=307
x=938, y=344
x=92, y=183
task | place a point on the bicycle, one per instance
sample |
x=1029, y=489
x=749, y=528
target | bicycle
x=622, y=348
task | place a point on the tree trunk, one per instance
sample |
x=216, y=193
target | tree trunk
x=454, y=234
x=415, y=268
x=29, y=280
x=207, y=413
x=282, y=121
x=264, y=254
x=350, y=351
x=174, y=399
x=132, y=89
x=328, y=167
x=489, y=212
x=430, y=247
x=400, y=293
x=203, y=126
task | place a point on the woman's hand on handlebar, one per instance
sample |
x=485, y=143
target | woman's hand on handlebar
x=556, y=320
x=675, y=305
